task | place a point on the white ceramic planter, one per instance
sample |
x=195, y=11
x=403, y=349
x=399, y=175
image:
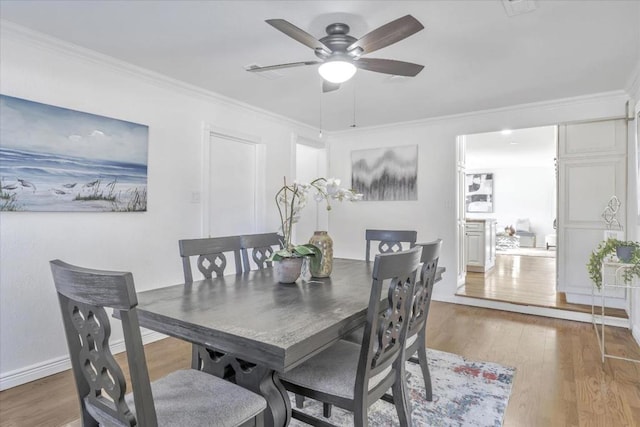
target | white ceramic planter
x=287, y=270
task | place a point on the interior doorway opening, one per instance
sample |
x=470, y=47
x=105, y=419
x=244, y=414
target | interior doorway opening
x=310, y=163
x=509, y=206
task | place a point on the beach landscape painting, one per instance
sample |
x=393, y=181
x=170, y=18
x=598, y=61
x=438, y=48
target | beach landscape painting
x=385, y=173
x=57, y=159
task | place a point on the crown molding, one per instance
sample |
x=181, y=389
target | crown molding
x=10, y=30
x=633, y=86
x=621, y=95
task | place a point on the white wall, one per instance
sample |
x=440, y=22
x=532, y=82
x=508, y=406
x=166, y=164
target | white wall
x=524, y=181
x=634, y=177
x=525, y=192
x=434, y=213
x=31, y=333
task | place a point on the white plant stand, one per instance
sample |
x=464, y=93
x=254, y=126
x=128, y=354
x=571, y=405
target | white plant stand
x=598, y=320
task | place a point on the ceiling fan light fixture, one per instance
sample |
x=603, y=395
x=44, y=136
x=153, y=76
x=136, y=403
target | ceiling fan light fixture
x=337, y=71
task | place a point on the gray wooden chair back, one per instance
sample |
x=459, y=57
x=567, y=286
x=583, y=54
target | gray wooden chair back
x=385, y=332
x=424, y=287
x=211, y=258
x=389, y=240
x=380, y=357
x=211, y=255
x=259, y=247
x=83, y=296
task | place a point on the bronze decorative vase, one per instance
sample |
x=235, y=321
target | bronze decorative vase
x=322, y=241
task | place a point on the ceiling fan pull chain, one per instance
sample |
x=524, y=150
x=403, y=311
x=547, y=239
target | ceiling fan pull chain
x=321, y=94
x=354, y=104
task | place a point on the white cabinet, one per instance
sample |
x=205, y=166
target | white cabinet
x=480, y=244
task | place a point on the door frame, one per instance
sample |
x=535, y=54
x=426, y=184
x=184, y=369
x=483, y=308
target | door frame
x=296, y=140
x=209, y=131
x=461, y=143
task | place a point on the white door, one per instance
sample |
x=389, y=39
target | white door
x=232, y=186
x=592, y=169
x=310, y=164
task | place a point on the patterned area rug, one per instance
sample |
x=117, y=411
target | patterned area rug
x=465, y=393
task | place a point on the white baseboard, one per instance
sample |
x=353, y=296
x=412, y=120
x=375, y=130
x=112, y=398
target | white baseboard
x=636, y=334
x=536, y=311
x=53, y=366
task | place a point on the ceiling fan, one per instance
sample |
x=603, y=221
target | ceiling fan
x=341, y=54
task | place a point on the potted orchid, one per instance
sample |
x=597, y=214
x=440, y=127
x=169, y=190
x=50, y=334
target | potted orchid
x=290, y=200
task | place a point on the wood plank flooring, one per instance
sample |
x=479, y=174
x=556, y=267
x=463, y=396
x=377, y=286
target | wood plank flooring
x=560, y=380
x=524, y=280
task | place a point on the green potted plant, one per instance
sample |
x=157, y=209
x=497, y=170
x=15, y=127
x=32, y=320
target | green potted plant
x=606, y=250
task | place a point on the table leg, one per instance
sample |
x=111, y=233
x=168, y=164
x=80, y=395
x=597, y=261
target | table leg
x=260, y=380
x=266, y=382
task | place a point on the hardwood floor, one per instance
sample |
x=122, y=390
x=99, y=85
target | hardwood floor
x=524, y=280
x=53, y=401
x=560, y=380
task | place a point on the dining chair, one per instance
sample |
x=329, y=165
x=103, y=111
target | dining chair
x=416, y=334
x=182, y=398
x=353, y=376
x=389, y=240
x=211, y=258
x=417, y=330
x=211, y=255
x=261, y=246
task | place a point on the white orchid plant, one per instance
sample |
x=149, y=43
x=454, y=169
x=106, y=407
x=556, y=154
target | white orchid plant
x=292, y=198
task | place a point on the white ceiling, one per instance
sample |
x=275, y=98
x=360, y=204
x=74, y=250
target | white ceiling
x=476, y=57
x=532, y=147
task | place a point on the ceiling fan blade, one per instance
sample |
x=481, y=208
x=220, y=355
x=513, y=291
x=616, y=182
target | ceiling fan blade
x=389, y=66
x=298, y=34
x=278, y=66
x=329, y=87
x=386, y=35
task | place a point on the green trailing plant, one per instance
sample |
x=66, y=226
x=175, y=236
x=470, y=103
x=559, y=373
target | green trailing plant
x=606, y=250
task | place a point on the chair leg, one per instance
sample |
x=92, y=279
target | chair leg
x=196, y=361
x=299, y=401
x=426, y=375
x=401, y=399
x=360, y=418
x=326, y=410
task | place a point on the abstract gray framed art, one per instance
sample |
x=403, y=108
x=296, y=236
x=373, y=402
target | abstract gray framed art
x=479, y=196
x=386, y=173
x=57, y=159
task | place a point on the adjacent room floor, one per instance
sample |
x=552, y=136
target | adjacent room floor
x=525, y=276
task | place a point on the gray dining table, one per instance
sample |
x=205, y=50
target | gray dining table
x=257, y=327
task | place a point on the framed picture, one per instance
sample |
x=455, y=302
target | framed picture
x=479, y=195
x=386, y=173
x=57, y=159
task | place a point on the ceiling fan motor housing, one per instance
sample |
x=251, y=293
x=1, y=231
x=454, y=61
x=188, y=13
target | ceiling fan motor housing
x=337, y=40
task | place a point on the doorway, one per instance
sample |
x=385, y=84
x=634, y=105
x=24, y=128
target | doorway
x=232, y=184
x=311, y=163
x=511, y=184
